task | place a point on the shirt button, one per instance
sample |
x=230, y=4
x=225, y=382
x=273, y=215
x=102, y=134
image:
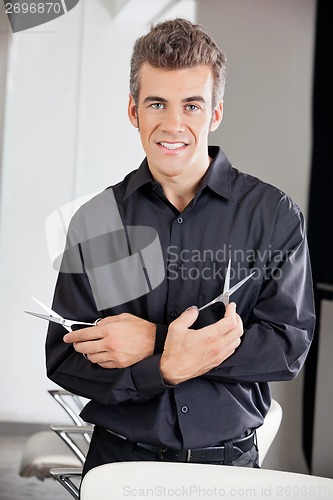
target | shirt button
x=154, y=187
x=184, y=409
x=173, y=314
x=180, y=220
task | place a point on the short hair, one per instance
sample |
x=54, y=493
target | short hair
x=178, y=44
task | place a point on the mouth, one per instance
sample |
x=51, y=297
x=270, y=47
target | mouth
x=173, y=146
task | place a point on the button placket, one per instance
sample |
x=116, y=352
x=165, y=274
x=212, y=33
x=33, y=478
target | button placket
x=175, y=269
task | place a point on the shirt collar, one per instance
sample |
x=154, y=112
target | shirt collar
x=217, y=177
x=141, y=176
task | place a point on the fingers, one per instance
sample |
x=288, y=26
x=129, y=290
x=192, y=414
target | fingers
x=82, y=335
x=230, y=325
x=187, y=318
x=236, y=326
x=88, y=347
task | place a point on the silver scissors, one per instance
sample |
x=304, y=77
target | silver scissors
x=56, y=318
x=227, y=291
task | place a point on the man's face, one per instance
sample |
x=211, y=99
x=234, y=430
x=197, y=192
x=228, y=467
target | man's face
x=174, y=116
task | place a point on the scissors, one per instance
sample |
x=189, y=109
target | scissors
x=56, y=318
x=227, y=291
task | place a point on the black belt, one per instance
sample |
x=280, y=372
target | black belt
x=225, y=452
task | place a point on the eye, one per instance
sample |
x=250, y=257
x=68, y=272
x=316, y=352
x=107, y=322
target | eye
x=157, y=105
x=191, y=107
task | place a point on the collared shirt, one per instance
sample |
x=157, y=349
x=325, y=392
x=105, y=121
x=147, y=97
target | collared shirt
x=232, y=216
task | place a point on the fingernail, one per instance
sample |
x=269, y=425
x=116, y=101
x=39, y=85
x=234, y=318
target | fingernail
x=191, y=307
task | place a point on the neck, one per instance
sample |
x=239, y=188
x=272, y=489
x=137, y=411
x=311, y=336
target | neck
x=181, y=197
x=181, y=187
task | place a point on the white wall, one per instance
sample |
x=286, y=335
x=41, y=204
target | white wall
x=3, y=69
x=67, y=135
x=266, y=130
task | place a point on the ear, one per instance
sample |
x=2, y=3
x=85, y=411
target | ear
x=132, y=113
x=217, y=116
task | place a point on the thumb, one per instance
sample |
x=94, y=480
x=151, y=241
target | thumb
x=188, y=317
x=230, y=310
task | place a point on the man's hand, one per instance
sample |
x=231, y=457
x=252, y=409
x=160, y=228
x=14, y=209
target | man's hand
x=191, y=353
x=116, y=342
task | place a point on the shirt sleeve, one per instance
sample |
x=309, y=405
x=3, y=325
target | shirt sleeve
x=70, y=370
x=279, y=321
x=161, y=333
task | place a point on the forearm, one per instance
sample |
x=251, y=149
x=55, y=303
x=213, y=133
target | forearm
x=262, y=357
x=279, y=331
x=71, y=370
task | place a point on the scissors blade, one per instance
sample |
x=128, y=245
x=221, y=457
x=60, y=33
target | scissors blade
x=227, y=281
x=59, y=320
x=47, y=309
x=239, y=284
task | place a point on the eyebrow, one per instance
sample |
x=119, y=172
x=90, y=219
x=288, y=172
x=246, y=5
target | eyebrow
x=153, y=98
x=197, y=98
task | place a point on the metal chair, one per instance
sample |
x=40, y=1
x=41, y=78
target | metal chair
x=63, y=446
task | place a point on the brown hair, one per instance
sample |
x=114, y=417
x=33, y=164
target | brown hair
x=177, y=44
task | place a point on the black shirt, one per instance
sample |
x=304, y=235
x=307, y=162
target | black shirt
x=232, y=216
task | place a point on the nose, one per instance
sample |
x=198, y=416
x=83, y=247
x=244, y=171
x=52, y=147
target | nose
x=172, y=121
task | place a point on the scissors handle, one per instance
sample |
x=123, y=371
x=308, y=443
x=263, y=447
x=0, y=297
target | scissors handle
x=224, y=297
x=70, y=323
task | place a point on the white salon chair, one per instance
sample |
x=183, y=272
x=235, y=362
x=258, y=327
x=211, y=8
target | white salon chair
x=166, y=480
x=68, y=477
x=267, y=432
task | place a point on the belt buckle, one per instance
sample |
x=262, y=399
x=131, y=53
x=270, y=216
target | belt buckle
x=161, y=453
x=188, y=455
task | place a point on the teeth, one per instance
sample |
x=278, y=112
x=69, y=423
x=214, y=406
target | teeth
x=174, y=145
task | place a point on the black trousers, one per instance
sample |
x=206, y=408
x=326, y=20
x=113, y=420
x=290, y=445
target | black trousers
x=105, y=449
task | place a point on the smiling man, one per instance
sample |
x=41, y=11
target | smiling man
x=166, y=382
x=175, y=113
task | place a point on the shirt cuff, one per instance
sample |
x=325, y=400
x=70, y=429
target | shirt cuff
x=161, y=333
x=147, y=375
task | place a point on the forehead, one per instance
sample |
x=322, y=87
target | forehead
x=176, y=83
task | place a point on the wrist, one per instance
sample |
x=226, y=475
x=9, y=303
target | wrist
x=168, y=371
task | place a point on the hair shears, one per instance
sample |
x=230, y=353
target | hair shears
x=56, y=318
x=227, y=291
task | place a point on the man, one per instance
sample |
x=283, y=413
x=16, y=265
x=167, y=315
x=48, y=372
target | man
x=167, y=382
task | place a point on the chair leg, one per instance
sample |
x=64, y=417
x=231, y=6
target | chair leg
x=65, y=478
